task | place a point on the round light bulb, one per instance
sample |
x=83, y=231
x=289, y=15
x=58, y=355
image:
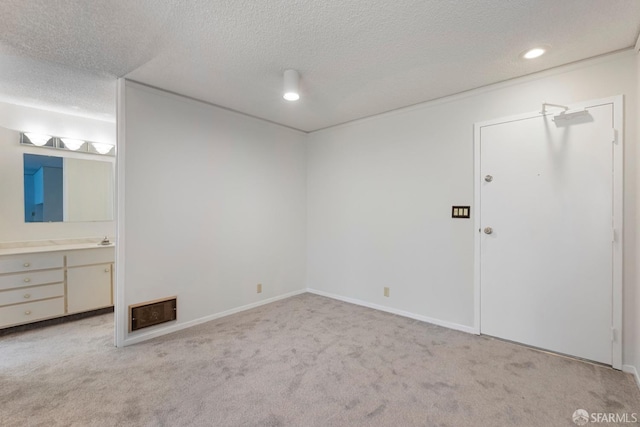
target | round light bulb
x=101, y=147
x=72, y=144
x=38, y=138
x=534, y=53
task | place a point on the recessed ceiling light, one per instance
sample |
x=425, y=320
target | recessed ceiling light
x=534, y=53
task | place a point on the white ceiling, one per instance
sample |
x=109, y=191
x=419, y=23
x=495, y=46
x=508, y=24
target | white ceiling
x=356, y=58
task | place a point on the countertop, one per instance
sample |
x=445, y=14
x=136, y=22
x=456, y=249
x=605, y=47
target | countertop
x=16, y=248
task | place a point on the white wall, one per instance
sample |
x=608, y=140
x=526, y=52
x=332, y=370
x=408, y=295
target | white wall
x=634, y=295
x=380, y=192
x=214, y=203
x=28, y=119
x=14, y=119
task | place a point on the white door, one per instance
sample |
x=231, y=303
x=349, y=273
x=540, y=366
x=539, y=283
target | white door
x=547, y=263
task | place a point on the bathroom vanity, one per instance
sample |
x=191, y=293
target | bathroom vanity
x=51, y=279
x=56, y=191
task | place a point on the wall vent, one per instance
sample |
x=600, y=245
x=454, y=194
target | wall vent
x=152, y=313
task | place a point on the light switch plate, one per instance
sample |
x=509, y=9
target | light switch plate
x=460, y=211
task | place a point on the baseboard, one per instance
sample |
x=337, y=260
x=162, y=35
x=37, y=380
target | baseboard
x=632, y=370
x=443, y=323
x=138, y=338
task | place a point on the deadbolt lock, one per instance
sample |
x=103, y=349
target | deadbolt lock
x=488, y=230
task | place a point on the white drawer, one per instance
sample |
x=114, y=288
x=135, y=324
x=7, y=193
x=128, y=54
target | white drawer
x=9, y=281
x=31, y=311
x=90, y=256
x=35, y=293
x=29, y=262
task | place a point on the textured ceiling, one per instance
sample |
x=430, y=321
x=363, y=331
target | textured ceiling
x=356, y=58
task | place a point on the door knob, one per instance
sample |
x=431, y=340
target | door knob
x=488, y=178
x=488, y=230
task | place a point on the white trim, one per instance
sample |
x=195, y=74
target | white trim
x=618, y=197
x=120, y=318
x=637, y=46
x=618, y=226
x=630, y=369
x=477, y=224
x=443, y=323
x=167, y=330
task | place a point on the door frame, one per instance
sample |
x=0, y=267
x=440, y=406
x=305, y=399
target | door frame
x=617, y=138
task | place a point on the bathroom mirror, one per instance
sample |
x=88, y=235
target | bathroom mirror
x=67, y=189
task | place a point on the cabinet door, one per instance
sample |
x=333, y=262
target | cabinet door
x=88, y=288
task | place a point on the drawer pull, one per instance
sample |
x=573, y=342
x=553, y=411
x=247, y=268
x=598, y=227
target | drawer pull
x=28, y=312
x=27, y=296
x=26, y=264
x=27, y=280
x=107, y=270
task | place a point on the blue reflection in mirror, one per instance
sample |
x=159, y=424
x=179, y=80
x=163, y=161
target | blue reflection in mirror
x=43, y=188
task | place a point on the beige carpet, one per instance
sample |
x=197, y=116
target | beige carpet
x=303, y=361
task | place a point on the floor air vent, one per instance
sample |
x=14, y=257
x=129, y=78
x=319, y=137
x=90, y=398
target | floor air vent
x=152, y=313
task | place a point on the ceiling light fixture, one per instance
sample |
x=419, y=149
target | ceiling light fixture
x=291, y=85
x=66, y=144
x=101, y=147
x=72, y=144
x=534, y=53
x=38, y=138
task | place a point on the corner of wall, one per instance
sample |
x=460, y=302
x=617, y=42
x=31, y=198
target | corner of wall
x=223, y=220
x=630, y=369
x=636, y=315
x=120, y=317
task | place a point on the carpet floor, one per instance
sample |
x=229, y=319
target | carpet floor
x=302, y=361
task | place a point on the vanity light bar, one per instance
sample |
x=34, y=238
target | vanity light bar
x=67, y=144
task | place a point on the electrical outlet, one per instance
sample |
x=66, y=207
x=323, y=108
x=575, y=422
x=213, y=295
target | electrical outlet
x=259, y=288
x=386, y=291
